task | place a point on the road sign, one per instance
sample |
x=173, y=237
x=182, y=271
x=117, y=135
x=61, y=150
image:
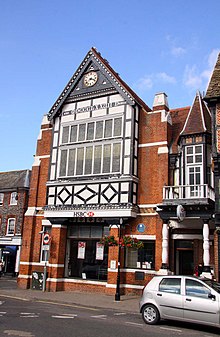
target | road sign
x=46, y=238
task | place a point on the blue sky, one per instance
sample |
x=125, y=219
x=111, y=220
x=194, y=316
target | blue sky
x=154, y=45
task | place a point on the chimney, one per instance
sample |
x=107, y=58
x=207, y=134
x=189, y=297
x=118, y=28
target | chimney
x=160, y=102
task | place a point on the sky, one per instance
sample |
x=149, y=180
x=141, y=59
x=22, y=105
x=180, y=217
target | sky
x=155, y=45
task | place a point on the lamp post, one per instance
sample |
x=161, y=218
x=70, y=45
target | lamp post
x=117, y=294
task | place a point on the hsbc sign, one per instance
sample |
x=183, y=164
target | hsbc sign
x=83, y=214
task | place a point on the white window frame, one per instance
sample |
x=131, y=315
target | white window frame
x=14, y=198
x=194, y=191
x=1, y=199
x=9, y=233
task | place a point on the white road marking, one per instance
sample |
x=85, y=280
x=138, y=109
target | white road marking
x=170, y=329
x=100, y=316
x=2, y=312
x=1, y=302
x=120, y=313
x=132, y=323
x=18, y=333
x=28, y=315
x=62, y=316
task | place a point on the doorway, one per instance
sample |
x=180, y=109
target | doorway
x=184, y=258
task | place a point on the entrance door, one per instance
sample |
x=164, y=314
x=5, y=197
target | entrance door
x=184, y=260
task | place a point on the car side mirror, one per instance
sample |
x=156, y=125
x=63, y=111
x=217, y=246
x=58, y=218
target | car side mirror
x=212, y=297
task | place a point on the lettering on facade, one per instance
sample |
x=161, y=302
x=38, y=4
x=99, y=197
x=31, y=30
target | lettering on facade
x=94, y=107
x=82, y=214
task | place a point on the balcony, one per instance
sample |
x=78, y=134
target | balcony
x=188, y=194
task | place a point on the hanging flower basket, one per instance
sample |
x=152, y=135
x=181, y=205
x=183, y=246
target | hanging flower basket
x=109, y=241
x=128, y=241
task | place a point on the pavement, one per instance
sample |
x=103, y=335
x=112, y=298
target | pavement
x=127, y=303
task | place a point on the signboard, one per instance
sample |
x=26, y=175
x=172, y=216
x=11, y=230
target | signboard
x=180, y=212
x=81, y=250
x=99, y=251
x=46, y=238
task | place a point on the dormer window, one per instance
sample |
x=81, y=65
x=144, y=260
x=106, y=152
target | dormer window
x=14, y=198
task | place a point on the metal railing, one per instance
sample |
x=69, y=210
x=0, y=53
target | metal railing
x=188, y=192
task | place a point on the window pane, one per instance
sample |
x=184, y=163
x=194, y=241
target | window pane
x=88, y=160
x=71, y=163
x=1, y=198
x=171, y=285
x=99, y=130
x=82, y=131
x=90, y=131
x=11, y=226
x=84, y=231
x=79, y=163
x=189, y=159
x=96, y=231
x=106, y=158
x=65, y=136
x=73, y=133
x=97, y=159
x=116, y=157
x=198, y=159
x=194, y=288
x=108, y=128
x=63, y=159
x=117, y=127
x=198, y=149
x=189, y=150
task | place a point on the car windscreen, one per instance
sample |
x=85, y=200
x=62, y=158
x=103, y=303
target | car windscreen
x=213, y=284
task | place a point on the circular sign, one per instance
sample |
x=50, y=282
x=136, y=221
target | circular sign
x=141, y=227
x=180, y=212
x=46, y=238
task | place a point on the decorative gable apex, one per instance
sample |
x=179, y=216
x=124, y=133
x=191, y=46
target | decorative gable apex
x=198, y=119
x=94, y=78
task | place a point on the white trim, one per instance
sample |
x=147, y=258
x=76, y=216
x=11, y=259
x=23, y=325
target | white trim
x=67, y=280
x=46, y=222
x=58, y=226
x=163, y=149
x=132, y=286
x=101, y=213
x=147, y=205
x=147, y=214
x=189, y=237
x=31, y=211
x=143, y=237
x=24, y=276
x=153, y=144
x=54, y=265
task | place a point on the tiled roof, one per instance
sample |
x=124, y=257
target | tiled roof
x=214, y=84
x=14, y=179
x=178, y=120
x=198, y=119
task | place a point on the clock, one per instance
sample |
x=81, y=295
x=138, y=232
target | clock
x=90, y=79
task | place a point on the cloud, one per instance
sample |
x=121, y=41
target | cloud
x=175, y=50
x=194, y=78
x=147, y=82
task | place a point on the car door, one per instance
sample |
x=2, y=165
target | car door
x=169, y=298
x=200, y=305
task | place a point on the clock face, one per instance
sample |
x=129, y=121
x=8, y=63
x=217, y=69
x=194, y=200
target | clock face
x=90, y=79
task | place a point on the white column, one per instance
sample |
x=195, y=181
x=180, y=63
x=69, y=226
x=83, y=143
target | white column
x=17, y=262
x=165, y=245
x=206, y=253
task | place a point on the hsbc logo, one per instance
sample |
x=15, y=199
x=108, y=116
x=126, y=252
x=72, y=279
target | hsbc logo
x=83, y=214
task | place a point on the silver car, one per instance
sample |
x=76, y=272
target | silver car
x=183, y=298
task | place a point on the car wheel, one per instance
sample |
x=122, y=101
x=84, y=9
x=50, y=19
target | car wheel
x=150, y=314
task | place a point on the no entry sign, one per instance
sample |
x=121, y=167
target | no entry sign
x=46, y=238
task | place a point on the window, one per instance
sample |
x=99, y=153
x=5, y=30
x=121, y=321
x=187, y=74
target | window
x=170, y=285
x=99, y=159
x=196, y=289
x=14, y=198
x=141, y=258
x=103, y=129
x=1, y=198
x=194, y=171
x=11, y=227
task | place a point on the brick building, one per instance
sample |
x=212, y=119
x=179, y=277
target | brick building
x=108, y=165
x=14, y=189
x=212, y=98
